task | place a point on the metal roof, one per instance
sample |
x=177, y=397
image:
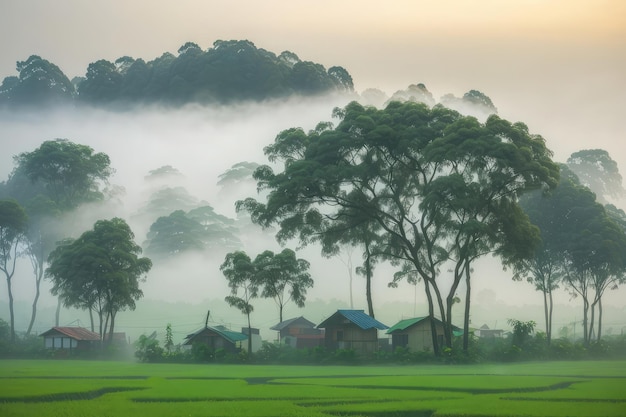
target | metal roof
x=286, y=323
x=225, y=333
x=406, y=323
x=359, y=318
x=78, y=333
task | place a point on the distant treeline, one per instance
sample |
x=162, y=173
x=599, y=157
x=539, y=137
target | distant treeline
x=230, y=71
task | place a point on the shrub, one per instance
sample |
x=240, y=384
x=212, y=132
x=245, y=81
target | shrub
x=148, y=349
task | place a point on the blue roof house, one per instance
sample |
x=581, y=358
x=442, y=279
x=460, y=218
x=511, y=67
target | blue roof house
x=352, y=329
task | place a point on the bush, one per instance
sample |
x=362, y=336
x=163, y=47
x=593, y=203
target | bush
x=148, y=349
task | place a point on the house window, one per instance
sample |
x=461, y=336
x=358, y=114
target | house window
x=339, y=335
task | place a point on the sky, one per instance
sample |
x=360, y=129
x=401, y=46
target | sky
x=559, y=66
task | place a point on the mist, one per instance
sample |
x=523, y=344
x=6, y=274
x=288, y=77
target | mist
x=202, y=142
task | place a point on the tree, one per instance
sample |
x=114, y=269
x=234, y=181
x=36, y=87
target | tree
x=71, y=173
x=582, y=245
x=241, y=275
x=169, y=339
x=545, y=269
x=200, y=229
x=597, y=170
x=283, y=278
x=39, y=83
x=521, y=331
x=55, y=178
x=13, y=225
x=392, y=168
x=100, y=271
x=103, y=83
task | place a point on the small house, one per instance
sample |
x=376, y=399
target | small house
x=352, y=329
x=487, y=333
x=70, y=339
x=415, y=333
x=299, y=333
x=218, y=337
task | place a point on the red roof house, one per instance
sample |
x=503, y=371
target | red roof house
x=71, y=338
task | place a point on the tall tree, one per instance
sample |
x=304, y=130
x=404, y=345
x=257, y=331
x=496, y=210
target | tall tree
x=388, y=166
x=13, y=226
x=55, y=178
x=71, y=173
x=40, y=82
x=100, y=271
x=239, y=270
x=283, y=278
x=582, y=245
x=597, y=170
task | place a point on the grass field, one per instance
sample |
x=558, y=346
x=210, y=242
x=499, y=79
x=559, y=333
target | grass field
x=90, y=388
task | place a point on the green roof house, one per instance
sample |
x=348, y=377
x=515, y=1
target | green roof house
x=218, y=337
x=415, y=334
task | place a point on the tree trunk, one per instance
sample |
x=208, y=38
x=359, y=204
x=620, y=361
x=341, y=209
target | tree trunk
x=368, y=280
x=249, y=336
x=466, y=318
x=592, y=321
x=11, y=314
x=550, y=310
x=58, y=312
x=447, y=322
x=103, y=334
x=38, y=278
x=91, y=319
x=431, y=314
x=599, y=319
x=585, y=323
x=112, y=328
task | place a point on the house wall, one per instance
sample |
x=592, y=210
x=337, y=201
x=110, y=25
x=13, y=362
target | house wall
x=352, y=337
x=419, y=336
x=60, y=342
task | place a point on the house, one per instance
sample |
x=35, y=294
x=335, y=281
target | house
x=299, y=333
x=415, y=334
x=351, y=329
x=257, y=342
x=70, y=339
x=488, y=333
x=218, y=337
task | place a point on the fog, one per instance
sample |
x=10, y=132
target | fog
x=203, y=142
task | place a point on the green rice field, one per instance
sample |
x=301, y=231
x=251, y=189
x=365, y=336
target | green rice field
x=90, y=388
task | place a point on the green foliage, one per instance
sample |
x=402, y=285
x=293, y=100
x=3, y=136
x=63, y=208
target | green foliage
x=521, y=331
x=70, y=173
x=169, y=339
x=147, y=349
x=230, y=71
x=423, y=186
x=40, y=83
x=100, y=271
x=597, y=170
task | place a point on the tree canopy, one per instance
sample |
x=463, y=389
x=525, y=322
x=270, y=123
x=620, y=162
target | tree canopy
x=100, y=271
x=70, y=173
x=440, y=187
x=230, y=71
x=583, y=248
